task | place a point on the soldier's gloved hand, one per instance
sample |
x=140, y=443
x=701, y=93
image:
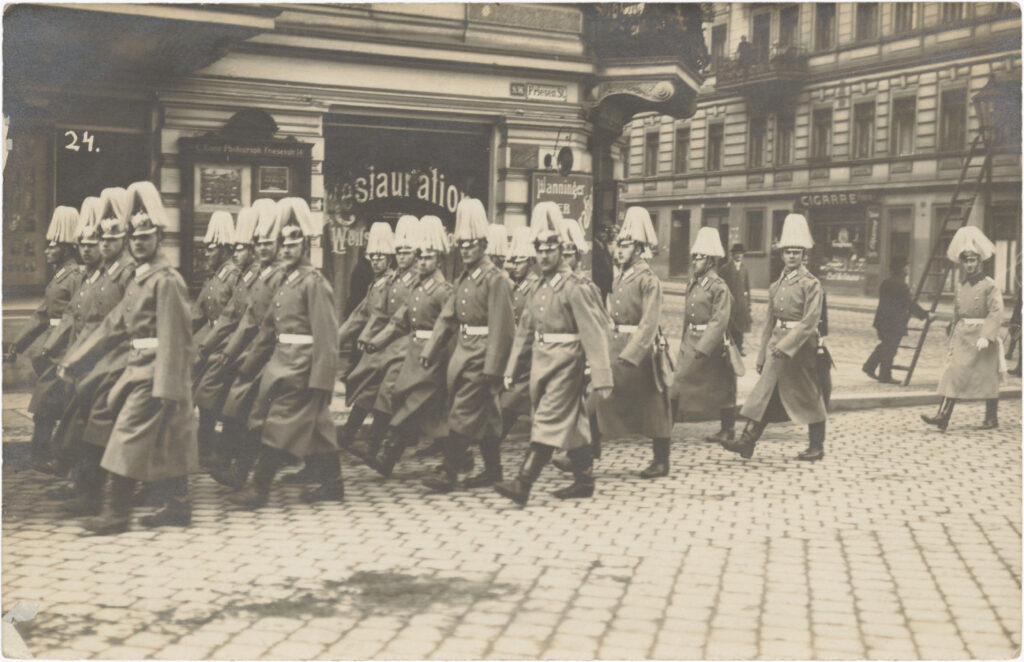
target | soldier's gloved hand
x=603, y=392
x=759, y=367
x=508, y=383
x=369, y=347
x=776, y=352
x=982, y=344
x=62, y=374
x=424, y=362
x=360, y=345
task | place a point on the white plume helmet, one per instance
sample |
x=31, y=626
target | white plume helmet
x=708, y=243
x=432, y=235
x=496, y=240
x=406, y=232
x=520, y=247
x=546, y=223
x=113, y=212
x=146, y=213
x=970, y=239
x=470, y=220
x=295, y=221
x=577, y=237
x=795, y=233
x=63, y=226
x=381, y=240
x=89, y=221
x=637, y=226
x=245, y=226
x=221, y=229
x=267, y=227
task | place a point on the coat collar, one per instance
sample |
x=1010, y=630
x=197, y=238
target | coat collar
x=68, y=267
x=634, y=270
x=147, y=269
x=978, y=277
x=528, y=281
x=557, y=280
x=484, y=267
x=118, y=264
x=250, y=274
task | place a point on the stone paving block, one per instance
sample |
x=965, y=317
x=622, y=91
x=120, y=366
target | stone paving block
x=238, y=652
x=180, y=652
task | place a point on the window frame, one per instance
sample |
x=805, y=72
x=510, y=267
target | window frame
x=859, y=37
x=818, y=32
x=790, y=154
x=912, y=6
x=894, y=125
x=648, y=152
x=943, y=145
x=748, y=244
x=721, y=147
x=855, y=136
x=716, y=60
x=814, y=157
x=763, y=160
x=685, y=162
x=796, y=26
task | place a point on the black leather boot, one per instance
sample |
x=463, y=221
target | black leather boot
x=728, y=430
x=367, y=450
x=119, y=518
x=595, y=438
x=390, y=453
x=257, y=495
x=436, y=447
x=991, y=421
x=304, y=476
x=331, y=487
x=942, y=416
x=91, y=479
x=816, y=447
x=444, y=480
x=347, y=432
x=658, y=467
x=582, y=486
x=518, y=489
x=748, y=439
x=205, y=434
x=40, y=452
x=562, y=462
x=490, y=451
x=177, y=509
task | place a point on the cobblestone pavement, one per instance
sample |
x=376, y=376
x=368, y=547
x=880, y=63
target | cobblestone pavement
x=903, y=543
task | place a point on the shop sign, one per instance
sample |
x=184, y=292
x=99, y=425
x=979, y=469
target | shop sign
x=539, y=92
x=345, y=233
x=574, y=195
x=837, y=199
x=427, y=185
x=250, y=149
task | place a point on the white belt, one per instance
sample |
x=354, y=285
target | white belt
x=144, y=343
x=556, y=338
x=422, y=334
x=786, y=324
x=698, y=327
x=972, y=321
x=295, y=339
x=625, y=328
x=54, y=321
x=474, y=330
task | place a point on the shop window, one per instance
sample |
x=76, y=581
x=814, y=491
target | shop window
x=840, y=236
x=953, y=120
x=867, y=21
x=903, y=17
x=682, y=149
x=651, y=142
x=757, y=131
x=716, y=136
x=718, y=54
x=755, y=231
x=863, y=129
x=821, y=134
x=904, y=118
x=825, y=26
x=715, y=217
x=952, y=12
x=788, y=22
x=784, y=139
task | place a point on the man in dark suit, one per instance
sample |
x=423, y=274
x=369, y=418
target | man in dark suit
x=895, y=306
x=737, y=278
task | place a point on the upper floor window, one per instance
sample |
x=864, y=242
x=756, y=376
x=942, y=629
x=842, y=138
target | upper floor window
x=718, y=54
x=761, y=36
x=904, y=119
x=626, y=153
x=867, y=21
x=651, y=143
x=821, y=134
x=785, y=130
x=953, y=120
x=788, y=26
x=716, y=136
x=682, y=149
x=903, y=17
x=952, y=12
x=825, y=25
x=863, y=129
x=756, y=149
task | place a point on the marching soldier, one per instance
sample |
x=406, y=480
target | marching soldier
x=639, y=403
x=975, y=358
x=418, y=395
x=497, y=241
x=293, y=404
x=567, y=327
x=736, y=276
x=479, y=312
x=240, y=446
x=515, y=399
x=49, y=394
x=704, y=379
x=215, y=294
x=154, y=436
x=789, y=387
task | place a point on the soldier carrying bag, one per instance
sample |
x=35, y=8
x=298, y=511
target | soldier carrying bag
x=732, y=354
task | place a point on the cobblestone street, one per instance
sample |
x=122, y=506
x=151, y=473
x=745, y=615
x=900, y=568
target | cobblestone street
x=903, y=543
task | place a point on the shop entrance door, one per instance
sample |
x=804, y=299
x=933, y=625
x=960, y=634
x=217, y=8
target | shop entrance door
x=679, y=244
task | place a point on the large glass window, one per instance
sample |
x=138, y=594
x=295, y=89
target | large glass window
x=952, y=12
x=682, y=155
x=903, y=17
x=784, y=139
x=761, y=37
x=651, y=142
x=626, y=153
x=863, y=129
x=717, y=45
x=755, y=230
x=716, y=135
x=821, y=135
x=788, y=25
x=825, y=26
x=757, y=132
x=867, y=20
x=953, y=120
x=904, y=113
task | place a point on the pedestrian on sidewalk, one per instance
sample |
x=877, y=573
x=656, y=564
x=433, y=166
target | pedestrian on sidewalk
x=895, y=307
x=153, y=439
x=736, y=276
x=975, y=358
x=292, y=408
x=479, y=313
x=567, y=327
x=789, y=387
x=704, y=380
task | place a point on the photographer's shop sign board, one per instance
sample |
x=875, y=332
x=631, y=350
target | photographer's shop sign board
x=574, y=195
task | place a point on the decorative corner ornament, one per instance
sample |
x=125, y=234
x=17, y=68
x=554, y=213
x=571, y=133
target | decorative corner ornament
x=654, y=91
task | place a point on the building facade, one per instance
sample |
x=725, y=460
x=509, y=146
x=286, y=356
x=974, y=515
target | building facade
x=859, y=115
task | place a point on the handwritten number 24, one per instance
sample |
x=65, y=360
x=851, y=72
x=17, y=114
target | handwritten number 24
x=76, y=142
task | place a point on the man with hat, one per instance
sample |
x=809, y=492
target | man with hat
x=479, y=313
x=292, y=408
x=566, y=326
x=49, y=392
x=497, y=243
x=239, y=446
x=975, y=358
x=895, y=307
x=418, y=395
x=153, y=438
x=639, y=403
x=704, y=379
x=789, y=386
x=736, y=276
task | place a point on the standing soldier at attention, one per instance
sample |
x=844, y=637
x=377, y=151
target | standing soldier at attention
x=639, y=403
x=418, y=395
x=293, y=404
x=736, y=276
x=789, y=387
x=479, y=313
x=704, y=380
x=519, y=261
x=154, y=437
x=567, y=328
x=48, y=396
x=975, y=357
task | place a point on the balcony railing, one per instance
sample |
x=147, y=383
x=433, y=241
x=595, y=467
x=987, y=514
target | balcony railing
x=786, y=63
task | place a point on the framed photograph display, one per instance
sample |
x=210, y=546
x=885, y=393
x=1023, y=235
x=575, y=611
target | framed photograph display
x=273, y=179
x=222, y=186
